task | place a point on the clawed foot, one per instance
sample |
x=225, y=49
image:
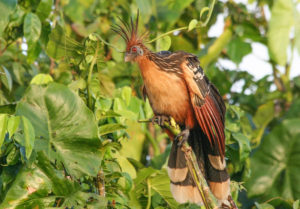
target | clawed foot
x=160, y=120
x=184, y=137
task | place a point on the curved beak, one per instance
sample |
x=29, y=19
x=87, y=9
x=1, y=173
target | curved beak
x=129, y=57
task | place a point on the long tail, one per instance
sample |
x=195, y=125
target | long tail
x=212, y=166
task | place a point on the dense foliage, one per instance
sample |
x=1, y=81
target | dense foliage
x=69, y=130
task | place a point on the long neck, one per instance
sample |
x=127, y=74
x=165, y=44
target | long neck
x=145, y=64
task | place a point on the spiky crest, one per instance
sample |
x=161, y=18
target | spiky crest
x=129, y=32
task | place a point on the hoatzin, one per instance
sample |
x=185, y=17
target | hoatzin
x=177, y=87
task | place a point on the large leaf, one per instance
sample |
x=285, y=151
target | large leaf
x=282, y=20
x=275, y=167
x=32, y=27
x=64, y=127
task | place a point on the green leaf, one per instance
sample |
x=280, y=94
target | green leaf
x=77, y=9
x=192, y=24
x=110, y=128
x=30, y=184
x=41, y=79
x=65, y=128
x=280, y=26
x=13, y=156
x=126, y=94
x=237, y=49
x=59, y=185
x=263, y=116
x=125, y=165
x=275, y=165
x=169, y=11
x=6, y=8
x=6, y=78
x=32, y=187
x=161, y=184
x=163, y=44
x=143, y=174
x=3, y=127
x=34, y=49
x=29, y=136
x=13, y=124
x=32, y=27
x=44, y=8
x=244, y=145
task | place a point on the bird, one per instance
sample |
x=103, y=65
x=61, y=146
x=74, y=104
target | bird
x=177, y=87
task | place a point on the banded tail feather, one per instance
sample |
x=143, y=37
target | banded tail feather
x=210, y=163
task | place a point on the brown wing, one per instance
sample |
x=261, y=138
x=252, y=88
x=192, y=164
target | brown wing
x=208, y=104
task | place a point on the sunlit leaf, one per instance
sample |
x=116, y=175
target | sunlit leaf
x=41, y=79
x=262, y=117
x=163, y=43
x=192, y=24
x=13, y=124
x=280, y=26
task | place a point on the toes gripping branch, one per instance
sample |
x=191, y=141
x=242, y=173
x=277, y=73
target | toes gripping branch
x=209, y=200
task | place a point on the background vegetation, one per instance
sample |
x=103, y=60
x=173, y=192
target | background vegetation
x=69, y=135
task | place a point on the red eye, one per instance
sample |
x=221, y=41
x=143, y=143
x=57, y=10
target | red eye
x=133, y=49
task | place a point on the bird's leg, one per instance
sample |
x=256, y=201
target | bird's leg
x=184, y=137
x=160, y=120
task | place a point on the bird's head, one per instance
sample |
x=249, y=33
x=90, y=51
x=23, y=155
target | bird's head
x=134, y=43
